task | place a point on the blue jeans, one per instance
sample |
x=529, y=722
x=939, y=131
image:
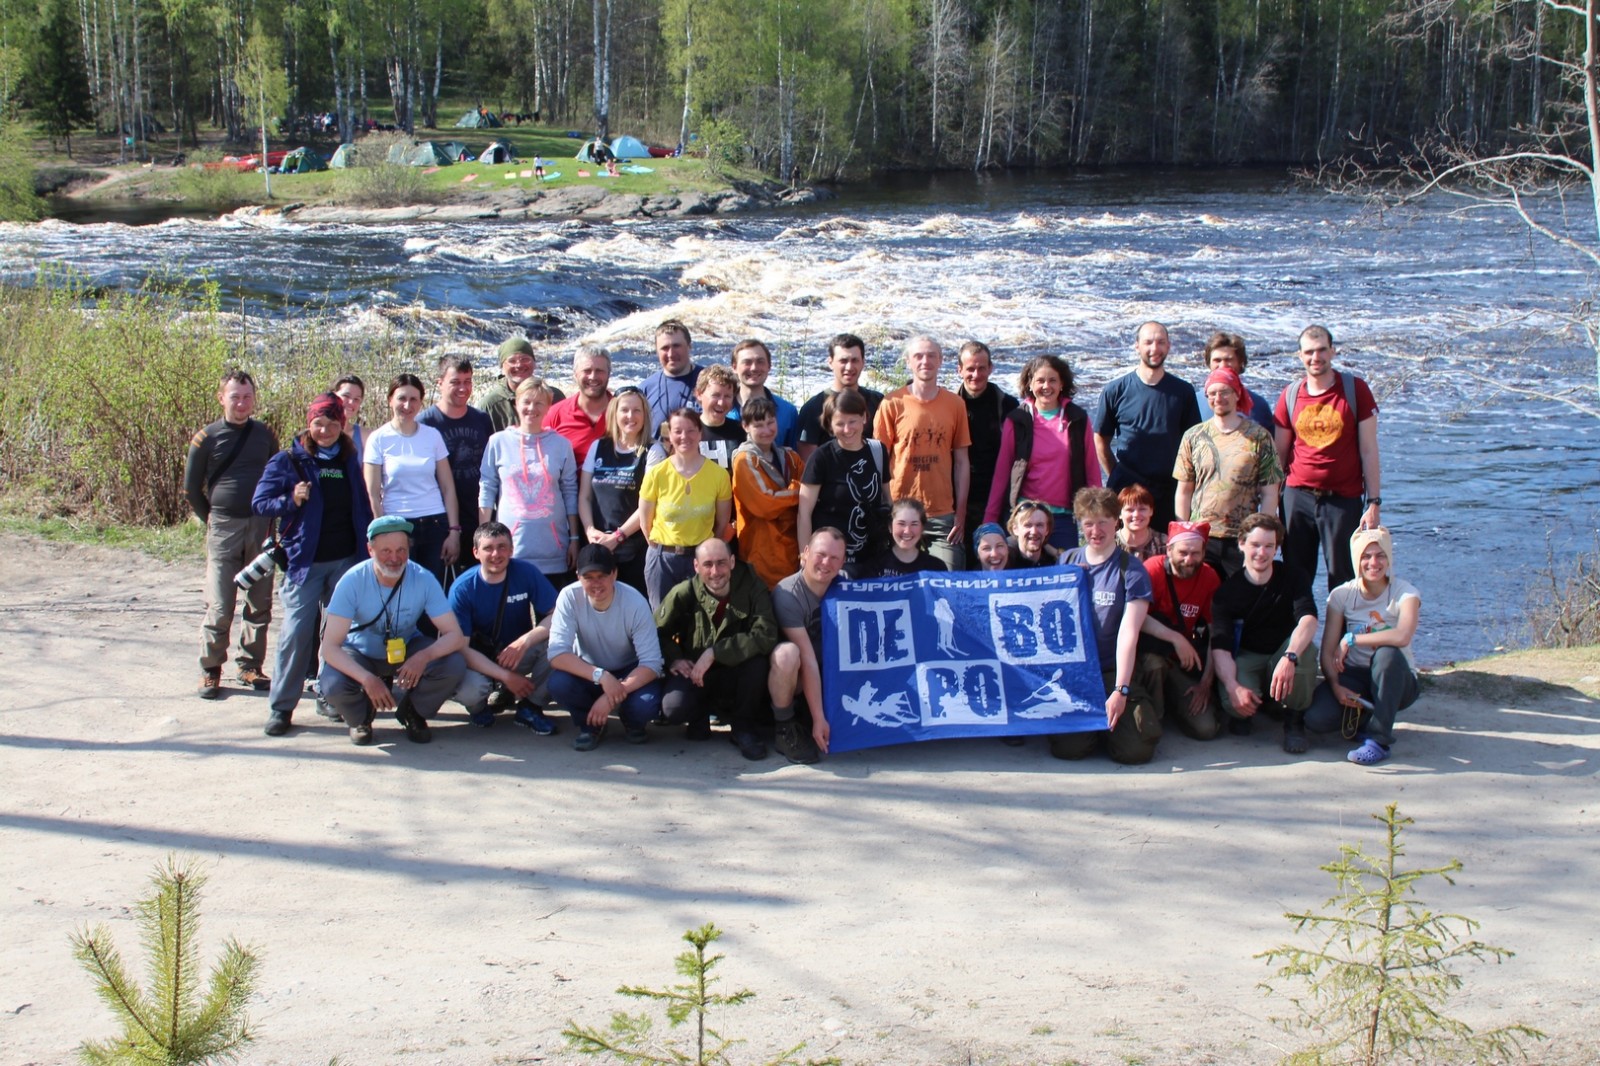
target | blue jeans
x=575, y=696
x=303, y=605
x=1388, y=684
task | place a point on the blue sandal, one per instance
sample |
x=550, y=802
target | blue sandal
x=1370, y=753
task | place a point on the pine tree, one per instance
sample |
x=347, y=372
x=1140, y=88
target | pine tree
x=56, y=84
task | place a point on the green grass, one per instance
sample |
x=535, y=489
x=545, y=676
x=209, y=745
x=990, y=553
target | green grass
x=182, y=543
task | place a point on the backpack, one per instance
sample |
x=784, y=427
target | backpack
x=1021, y=420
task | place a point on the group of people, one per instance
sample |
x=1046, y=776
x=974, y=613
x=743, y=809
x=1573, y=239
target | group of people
x=660, y=551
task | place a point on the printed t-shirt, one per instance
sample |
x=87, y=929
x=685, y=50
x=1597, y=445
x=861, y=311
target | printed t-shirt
x=1111, y=585
x=1228, y=470
x=851, y=497
x=464, y=439
x=1325, y=454
x=410, y=465
x=686, y=508
x=360, y=598
x=337, y=537
x=719, y=442
x=475, y=601
x=922, y=436
x=888, y=564
x=614, y=480
x=1362, y=615
x=1194, y=594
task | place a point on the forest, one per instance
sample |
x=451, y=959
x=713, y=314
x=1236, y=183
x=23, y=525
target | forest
x=813, y=90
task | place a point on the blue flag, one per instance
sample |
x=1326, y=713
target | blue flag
x=960, y=655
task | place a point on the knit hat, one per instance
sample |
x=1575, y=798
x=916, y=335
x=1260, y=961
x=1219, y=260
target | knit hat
x=1375, y=535
x=1226, y=375
x=987, y=529
x=511, y=346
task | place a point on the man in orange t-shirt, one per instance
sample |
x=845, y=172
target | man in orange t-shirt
x=924, y=428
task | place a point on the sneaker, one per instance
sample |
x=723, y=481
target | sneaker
x=635, y=734
x=587, y=741
x=250, y=677
x=1370, y=753
x=483, y=719
x=699, y=728
x=533, y=718
x=210, y=684
x=361, y=734
x=749, y=745
x=417, y=730
x=795, y=745
x=277, y=725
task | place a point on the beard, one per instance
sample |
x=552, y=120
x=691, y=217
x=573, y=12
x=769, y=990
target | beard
x=392, y=573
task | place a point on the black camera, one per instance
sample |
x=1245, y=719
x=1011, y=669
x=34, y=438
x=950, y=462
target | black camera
x=272, y=555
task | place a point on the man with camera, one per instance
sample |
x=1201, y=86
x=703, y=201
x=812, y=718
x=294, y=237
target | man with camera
x=1174, y=666
x=225, y=461
x=371, y=640
x=497, y=603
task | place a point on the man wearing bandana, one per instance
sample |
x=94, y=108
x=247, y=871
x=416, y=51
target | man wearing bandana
x=1175, y=639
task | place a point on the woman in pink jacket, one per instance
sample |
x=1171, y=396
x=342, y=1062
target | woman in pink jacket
x=1046, y=449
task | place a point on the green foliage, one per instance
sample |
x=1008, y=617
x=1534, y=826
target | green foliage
x=387, y=185
x=630, y=1038
x=18, y=201
x=1381, y=967
x=56, y=83
x=181, y=1018
x=100, y=392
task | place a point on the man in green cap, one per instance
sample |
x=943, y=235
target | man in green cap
x=499, y=401
x=374, y=658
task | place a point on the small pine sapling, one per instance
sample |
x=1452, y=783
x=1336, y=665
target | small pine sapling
x=184, y=1018
x=1382, y=967
x=630, y=1037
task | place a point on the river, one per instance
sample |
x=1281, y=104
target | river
x=1424, y=304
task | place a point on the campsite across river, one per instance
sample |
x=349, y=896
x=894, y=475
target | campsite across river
x=1475, y=477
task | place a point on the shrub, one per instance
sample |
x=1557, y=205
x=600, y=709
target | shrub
x=1564, y=602
x=387, y=185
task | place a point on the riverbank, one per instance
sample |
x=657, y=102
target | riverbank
x=458, y=903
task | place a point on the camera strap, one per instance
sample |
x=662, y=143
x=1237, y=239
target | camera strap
x=383, y=612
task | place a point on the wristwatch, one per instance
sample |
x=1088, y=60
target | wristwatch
x=599, y=672
x=1125, y=690
x=1374, y=501
x=1294, y=660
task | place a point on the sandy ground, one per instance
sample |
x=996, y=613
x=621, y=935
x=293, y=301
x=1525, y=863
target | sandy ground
x=957, y=902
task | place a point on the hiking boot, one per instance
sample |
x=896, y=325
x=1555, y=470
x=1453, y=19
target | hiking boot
x=250, y=677
x=531, y=717
x=417, y=730
x=588, y=739
x=361, y=734
x=1294, y=733
x=210, y=684
x=795, y=744
x=749, y=745
x=277, y=725
x=699, y=728
x=327, y=711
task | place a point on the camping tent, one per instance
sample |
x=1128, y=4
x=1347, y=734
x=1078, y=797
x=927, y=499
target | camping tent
x=478, y=119
x=421, y=154
x=498, y=152
x=344, y=157
x=302, y=161
x=454, y=149
x=626, y=147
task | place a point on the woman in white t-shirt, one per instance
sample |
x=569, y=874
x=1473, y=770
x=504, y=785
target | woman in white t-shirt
x=407, y=468
x=1366, y=651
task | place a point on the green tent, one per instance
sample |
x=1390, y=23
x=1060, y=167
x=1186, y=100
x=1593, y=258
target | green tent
x=478, y=119
x=454, y=150
x=498, y=151
x=302, y=161
x=421, y=154
x=344, y=157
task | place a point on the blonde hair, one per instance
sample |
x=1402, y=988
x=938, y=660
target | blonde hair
x=614, y=424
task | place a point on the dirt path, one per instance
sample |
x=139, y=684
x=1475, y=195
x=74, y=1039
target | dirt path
x=941, y=903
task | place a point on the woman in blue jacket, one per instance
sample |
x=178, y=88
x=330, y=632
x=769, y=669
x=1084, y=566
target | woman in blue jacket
x=315, y=490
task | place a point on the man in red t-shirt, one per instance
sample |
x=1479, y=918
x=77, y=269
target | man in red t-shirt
x=1174, y=642
x=1331, y=456
x=581, y=417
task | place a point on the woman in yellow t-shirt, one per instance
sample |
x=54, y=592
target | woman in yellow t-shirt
x=683, y=502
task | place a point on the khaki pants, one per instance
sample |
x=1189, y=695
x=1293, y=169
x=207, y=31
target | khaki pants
x=1167, y=684
x=230, y=544
x=1254, y=671
x=1134, y=739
